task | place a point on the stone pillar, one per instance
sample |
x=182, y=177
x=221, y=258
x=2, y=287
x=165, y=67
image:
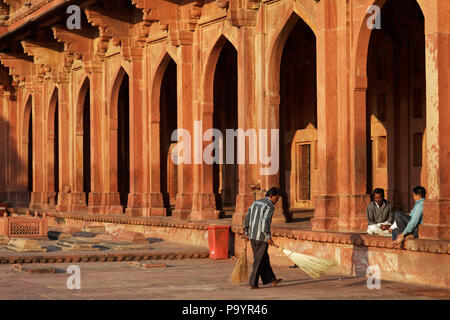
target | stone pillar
x=352, y=156
x=137, y=128
x=153, y=199
x=436, y=216
x=4, y=136
x=94, y=70
x=38, y=194
x=65, y=188
x=185, y=120
x=247, y=113
x=204, y=199
x=327, y=201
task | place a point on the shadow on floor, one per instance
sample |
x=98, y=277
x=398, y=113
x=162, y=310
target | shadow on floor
x=290, y=283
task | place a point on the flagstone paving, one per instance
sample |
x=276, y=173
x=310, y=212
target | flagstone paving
x=202, y=279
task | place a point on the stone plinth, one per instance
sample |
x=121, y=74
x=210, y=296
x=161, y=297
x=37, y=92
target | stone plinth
x=25, y=245
x=76, y=245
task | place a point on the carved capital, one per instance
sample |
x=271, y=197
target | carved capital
x=243, y=13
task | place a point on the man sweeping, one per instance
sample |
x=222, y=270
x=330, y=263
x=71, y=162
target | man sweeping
x=257, y=228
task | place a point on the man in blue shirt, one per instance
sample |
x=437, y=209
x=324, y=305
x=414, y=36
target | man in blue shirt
x=409, y=224
x=257, y=224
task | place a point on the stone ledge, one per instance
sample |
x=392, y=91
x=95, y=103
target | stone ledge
x=359, y=239
x=144, y=221
x=101, y=257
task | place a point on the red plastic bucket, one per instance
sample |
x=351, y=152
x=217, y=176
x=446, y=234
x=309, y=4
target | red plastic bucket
x=218, y=242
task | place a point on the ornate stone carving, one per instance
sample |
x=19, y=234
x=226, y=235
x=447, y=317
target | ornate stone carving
x=80, y=45
x=48, y=55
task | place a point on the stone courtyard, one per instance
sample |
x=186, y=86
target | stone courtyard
x=193, y=279
x=353, y=95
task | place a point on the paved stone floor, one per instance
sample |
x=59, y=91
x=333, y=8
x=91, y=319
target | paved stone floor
x=202, y=279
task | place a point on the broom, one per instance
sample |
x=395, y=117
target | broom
x=312, y=266
x=240, y=272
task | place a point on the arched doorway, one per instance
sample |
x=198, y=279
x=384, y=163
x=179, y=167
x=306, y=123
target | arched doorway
x=123, y=142
x=56, y=150
x=168, y=124
x=87, y=142
x=298, y=120
x=28, y=141
x=225, y=116
x=53, y=149
x=396, y=103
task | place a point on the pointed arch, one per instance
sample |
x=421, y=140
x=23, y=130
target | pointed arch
x=52, y=153
x=82, y=92
x=26, y=116
x=157, y=81
x=210, y=70
x=277, y=46
x=362, y=43
x=114, y=98
x=27, y=145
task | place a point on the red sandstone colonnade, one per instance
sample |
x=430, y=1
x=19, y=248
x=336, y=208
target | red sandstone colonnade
x=140, y=69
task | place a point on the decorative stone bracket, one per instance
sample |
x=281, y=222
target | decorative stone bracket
x=51, y=59
x=130, y=37
x=179, y=21
x=20, y=67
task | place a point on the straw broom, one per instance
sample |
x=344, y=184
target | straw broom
x=312, y=266
x=240, y=272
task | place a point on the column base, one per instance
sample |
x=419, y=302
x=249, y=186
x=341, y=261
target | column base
x=104, y=203
x=64, y=201
x=204, y=207
x=49, y=199
x=37, y=200
x=153, y=205
x=325, y=213
x=78, y=202
x=134, y=208
x=183, y=206
x=352, y=212
x=436, y=220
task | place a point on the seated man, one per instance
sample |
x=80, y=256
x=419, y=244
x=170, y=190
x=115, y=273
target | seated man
x=379, y=214
x=410, y=224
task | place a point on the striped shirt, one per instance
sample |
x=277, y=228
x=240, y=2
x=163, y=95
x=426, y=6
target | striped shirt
x=258, y=220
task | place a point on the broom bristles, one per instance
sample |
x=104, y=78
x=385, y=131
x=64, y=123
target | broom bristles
x=240, y=272
x=312, y=266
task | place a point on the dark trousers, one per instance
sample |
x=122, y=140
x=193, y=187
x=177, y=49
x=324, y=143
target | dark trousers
x=402, y=221
x=261, y=264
